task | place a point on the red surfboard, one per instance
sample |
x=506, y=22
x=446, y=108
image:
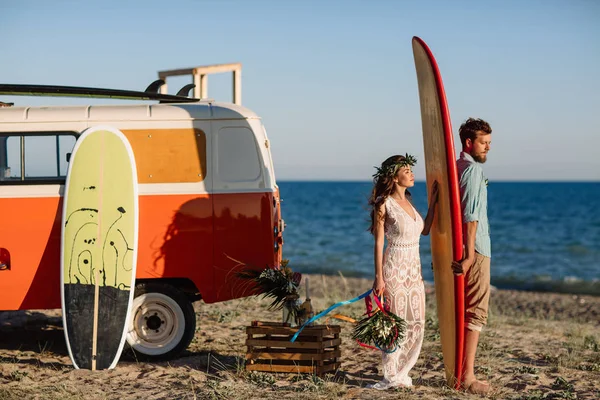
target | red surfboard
x=446, y=231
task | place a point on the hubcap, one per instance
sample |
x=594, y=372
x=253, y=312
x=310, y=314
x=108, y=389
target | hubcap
x=157, y=324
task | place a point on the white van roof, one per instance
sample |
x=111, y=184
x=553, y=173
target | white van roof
x=139, y=112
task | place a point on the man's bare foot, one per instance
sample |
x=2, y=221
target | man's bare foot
x=477, y=387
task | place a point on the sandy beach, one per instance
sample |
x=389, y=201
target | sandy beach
x=536, y=346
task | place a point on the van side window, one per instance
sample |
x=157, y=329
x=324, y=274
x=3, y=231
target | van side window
x=168, y=155
x=238, y=159
x=35, y=157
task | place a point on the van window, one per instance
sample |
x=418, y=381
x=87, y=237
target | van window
x=168, y=155
x=35, y=157
x=238, y=159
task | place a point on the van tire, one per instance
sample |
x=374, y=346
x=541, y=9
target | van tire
x=162, y=322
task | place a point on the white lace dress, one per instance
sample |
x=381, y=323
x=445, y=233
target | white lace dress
x=404, y=291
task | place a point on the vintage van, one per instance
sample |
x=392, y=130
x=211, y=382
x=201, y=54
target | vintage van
x=208, y=205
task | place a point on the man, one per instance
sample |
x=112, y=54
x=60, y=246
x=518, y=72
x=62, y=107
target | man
x=475, y=136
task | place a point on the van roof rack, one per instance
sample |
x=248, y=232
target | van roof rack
x=99, y=93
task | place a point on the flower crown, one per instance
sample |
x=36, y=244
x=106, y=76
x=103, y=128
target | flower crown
x=390, y=170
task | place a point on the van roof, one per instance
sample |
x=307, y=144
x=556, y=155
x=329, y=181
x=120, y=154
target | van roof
x=179, y=111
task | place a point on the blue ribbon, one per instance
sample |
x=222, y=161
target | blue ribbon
x=327, y=311
x=387, y=351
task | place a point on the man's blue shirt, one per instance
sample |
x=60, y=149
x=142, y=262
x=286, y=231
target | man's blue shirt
x=473, y=194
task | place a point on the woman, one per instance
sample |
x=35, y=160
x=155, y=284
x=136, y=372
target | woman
x=398, y=271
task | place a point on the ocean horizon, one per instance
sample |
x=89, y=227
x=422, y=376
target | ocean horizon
x=545, y=234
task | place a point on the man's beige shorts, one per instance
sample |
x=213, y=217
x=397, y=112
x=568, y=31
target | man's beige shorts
x=477, y=293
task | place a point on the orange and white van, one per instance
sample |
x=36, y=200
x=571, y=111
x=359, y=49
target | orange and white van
x=208, y=205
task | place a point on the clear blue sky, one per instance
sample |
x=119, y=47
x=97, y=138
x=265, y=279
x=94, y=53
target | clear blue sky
x=334, y=81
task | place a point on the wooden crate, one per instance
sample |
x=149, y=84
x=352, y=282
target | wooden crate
x=315, y=351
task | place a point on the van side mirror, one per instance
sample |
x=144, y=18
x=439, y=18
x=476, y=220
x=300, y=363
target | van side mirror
x=68, y=157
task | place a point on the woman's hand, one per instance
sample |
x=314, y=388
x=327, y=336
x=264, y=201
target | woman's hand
x=378, y=286
x=433, y=198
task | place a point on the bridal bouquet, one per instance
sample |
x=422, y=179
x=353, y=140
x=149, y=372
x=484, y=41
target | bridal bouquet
x=381, y=328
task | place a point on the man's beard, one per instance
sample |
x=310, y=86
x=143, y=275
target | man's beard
x=479, y=158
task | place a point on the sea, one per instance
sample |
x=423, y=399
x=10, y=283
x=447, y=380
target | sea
x=545, y=235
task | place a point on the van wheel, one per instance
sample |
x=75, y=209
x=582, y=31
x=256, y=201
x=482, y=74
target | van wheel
x=162, y=323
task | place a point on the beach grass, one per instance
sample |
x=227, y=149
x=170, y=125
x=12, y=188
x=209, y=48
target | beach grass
x=536, y=346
